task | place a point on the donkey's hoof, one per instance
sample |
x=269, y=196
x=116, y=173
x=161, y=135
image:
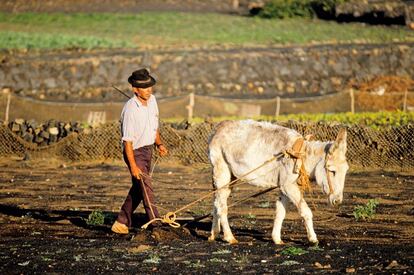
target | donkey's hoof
x=211, y=238
x=314, y=242
x=279, y=242
x=232, y=241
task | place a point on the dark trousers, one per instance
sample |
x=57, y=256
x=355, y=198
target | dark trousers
x=141, y=190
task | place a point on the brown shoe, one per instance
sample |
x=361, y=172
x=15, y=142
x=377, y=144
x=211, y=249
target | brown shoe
x=119, y=228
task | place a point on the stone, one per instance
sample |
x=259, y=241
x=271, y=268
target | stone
x=53, y=131
x=28, y=137
x=350, y=270
x=19, y=121
x=15, y=127
x=393, y=264
x=44, y=134
x=38, y=139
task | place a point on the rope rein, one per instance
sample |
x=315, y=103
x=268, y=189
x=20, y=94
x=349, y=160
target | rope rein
x=297, y=153
x=170, y=217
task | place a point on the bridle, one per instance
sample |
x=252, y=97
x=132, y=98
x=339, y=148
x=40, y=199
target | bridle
x=328, y=175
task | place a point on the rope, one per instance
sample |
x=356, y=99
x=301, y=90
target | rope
x=238, y=202
x=170, y=217
x=303, y=183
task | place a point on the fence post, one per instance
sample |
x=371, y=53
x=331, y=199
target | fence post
x=235, y=4
x=277, y=107
x=405, y=100
x=351, y=93
x=6, y=115
x=190, y=106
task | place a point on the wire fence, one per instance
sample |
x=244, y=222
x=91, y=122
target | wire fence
x=388, y=148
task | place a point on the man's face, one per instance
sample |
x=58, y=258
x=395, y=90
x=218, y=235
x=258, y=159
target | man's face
x=143, y=93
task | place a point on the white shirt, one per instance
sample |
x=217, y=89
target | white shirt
x=139, y=123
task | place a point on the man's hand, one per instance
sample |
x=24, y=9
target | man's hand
x=162, y=150
x=136, y=172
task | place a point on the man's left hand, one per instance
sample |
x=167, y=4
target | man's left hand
x=162, y=150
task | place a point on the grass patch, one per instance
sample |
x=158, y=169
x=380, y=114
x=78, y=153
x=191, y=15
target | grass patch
x=153, y=259
x=26, y=40
x=102, y=30
x=375, y=120
x=367, y=211
x=293, y=251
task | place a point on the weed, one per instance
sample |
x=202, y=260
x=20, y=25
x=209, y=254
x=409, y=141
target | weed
x=250, y=216
x=264, y=204
x=290, y=263
x=96, y=218
x=243, y=259
x=315, y=248
x=216, y=260
x=222, y=251
x=293, y=251
x=198, y=212
x=196, y=264
x=367, y=211
x=153, y=259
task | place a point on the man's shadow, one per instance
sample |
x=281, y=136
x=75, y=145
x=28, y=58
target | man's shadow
x=78, y=218
x=199, y=228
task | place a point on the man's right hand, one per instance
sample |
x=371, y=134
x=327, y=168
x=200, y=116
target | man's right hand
x=136, y=172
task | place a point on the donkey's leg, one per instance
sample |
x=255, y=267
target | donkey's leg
x=221, y=177
x=281, y=205
x=222, y=196
x=293, y=192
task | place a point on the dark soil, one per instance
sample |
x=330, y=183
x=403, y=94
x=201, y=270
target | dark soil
x=43, y=208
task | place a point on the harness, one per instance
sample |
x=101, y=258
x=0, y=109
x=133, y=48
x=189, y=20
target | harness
x=297, y=153
x=328, y=175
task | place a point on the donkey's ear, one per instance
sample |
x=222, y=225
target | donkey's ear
x=340, y=142
x=341, y=137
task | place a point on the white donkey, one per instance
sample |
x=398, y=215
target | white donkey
x=238, y=147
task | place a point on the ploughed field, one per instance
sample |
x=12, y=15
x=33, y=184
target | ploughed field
x=44, y=206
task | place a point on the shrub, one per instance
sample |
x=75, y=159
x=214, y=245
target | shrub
x=96, y=218
x=297, y=8
x=367, y=211
x=286, y=9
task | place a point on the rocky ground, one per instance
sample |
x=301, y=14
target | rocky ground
x=44, y=206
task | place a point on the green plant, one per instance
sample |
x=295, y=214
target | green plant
x=327, y=5
x=153, y=259
x=243, y=259
x=96, y=218
x=286, y=9
x=196, y=264
x=367, y=211
x=222, y=251
x=217, y=260
x=264, y=204
x=57, y=30
x=250, y=216
x=297, y=8
x=293, y=251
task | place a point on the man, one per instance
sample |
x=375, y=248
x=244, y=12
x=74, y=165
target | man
x=139, y=129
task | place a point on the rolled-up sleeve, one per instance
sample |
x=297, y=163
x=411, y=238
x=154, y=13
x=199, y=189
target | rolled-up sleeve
x=128, y=125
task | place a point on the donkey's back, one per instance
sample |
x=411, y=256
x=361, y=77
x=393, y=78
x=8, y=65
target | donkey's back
x=240, y=146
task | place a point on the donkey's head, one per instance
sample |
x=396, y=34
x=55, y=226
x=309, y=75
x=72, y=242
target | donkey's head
x=330, y=171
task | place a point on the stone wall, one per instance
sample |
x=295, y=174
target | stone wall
x=239, y=72
x=378, y=10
